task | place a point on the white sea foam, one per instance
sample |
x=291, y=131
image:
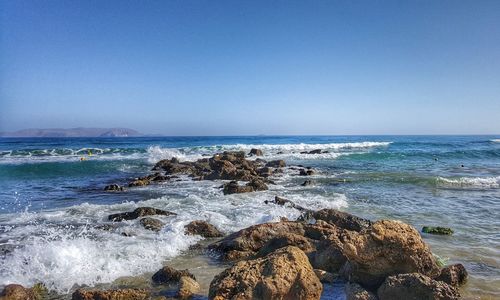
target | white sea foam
x=470, y=182
x=495, y=140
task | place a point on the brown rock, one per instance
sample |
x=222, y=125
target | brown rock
x=287, y=239
x=385, y=248
x=454, y=275
x=338, y=218
x=139, y=212
x=234, y=188
x=139, y=182
x=257, y=185
x=202, y=228
x=276, y=164
x=170, y=275
x=121, y=294
x=324, y=276
x=415, y=286
x=152, y=224
x=354, y=291
x=187, y=287
x=17, y=292
x=283, y=274
x=256, y=152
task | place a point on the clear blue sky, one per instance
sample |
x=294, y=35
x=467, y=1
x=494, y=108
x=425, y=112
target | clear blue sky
x=252, y=67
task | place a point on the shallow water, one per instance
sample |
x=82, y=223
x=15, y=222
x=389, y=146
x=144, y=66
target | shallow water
x=51, y=202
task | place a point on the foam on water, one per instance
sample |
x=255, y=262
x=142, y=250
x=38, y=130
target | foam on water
x=470, y=182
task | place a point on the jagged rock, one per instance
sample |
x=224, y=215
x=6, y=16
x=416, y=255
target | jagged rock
x=454, y=275
x=139, y=212
x=113, y=188
x=324, y=276
x=202, y=228
x=257, y=185
x=170, y=275
x=354, y=291
x=18, y=292
x=276, y=164
x=283, y=274
x=152, y=224
x=256, y=152
x=437, y=230
x=187, y=287
x=234, y=188
x=139, y=182
x=121, y=294
x=338, y=218
x=415, y=286
x=385, y=248
x=282, y=201
x=287, y=239
x=265, y=171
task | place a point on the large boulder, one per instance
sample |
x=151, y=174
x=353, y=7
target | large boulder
x=256, y=152
x=415, y=286
x=234, y=188
x=454, y=275
x=18, y=292
x=187, y=287
x=170, y=275
x=121, y=294
x=202, y=228
x=283, y=274
x=354, y=291
x=276, y=164
x=152, y=224
x=139, y=212
x=385, y=248
x=338, y=218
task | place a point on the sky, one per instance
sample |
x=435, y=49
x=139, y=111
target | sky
x=252, y=67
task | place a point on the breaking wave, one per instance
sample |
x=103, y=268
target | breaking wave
x=470, y=182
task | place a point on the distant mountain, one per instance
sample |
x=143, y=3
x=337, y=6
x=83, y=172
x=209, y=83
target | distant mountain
x=72, y=132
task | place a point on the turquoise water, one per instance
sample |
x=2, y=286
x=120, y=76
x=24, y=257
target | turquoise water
x=51, y=202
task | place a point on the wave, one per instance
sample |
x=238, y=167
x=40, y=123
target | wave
x=495, y=140
x=469, y=182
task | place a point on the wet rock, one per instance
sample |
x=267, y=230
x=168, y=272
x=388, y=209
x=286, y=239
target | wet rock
x=152, y=224
x=168, y=275
x=307, y=183
x=234, y=188
x=338, y=218
x=139, y=182
x=454, y=275
x=187, y=287
x=282, y=201
x=257, y=184
x=256, y=152
x=324, y=276
x=354, y=291
x=306, y=172
x=121, y=294
x=113, y=188
x=139, y=212
x=276, y=164
x=316, y=151
x=385, y=248
x=415, y=286
x=437, y=230
x=18, y=292
x=202, y=228
x=265, y=171
x=283, y=274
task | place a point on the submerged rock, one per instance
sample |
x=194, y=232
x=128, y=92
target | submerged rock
x=113, y=188
x=354, y=291
x=152, y=224
x=283, y=274
x=187, y=287
x=139, y=212
x=170, y=275
x=121, y=294
x=415, y=286
x=454, y=275
x=437, y=230
x=307, y=183
x=202, y=228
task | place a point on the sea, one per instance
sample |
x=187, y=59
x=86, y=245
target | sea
x=53, y=209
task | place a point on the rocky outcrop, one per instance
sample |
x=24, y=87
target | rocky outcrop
x=139, y=212
x=113, y=188
x=415, y=286
x=354, y=291
x=283, y=274
x=234, y=188
x=170, y=275
x=202, y=228
x=385, y=248
x=455, y=275
x=276, y=164
x=18, y=292
x=121, y=294
x=338, y=218
x=152, y=224
x=256, y=152
x=187, y=287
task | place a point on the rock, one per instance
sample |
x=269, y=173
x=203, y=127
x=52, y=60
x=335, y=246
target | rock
x=265, y=171
x=283, y=274
x=233, y=188
x=282, y=201
x=152, y=224
x=324, y=276
x=139, y=212
x=121, y=294
x=113, y=188
x=316, y=151
x=437, y=230
x=415, y=286
x=338, y=218
x=170, y=275
x=354, y=291
x=139, y=182
x=202, y=228
x=187, y=287
x=286, y=239
x=454, y=275
x=307, y=183
x=257, y=184
x=18, y=292
x=276, y=164
x=306, y=172
x=386, y=248
x=256, y=152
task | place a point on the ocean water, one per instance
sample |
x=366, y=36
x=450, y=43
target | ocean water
x=52, y=204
